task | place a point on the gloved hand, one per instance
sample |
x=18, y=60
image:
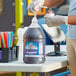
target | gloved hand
x=35, y=5
x=55, y=20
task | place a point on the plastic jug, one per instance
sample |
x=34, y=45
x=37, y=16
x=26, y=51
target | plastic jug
x=34, y=44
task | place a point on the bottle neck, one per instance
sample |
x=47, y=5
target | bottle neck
x=34, y=23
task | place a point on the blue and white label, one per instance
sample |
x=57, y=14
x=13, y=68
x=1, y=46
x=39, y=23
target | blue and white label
x=33, y=49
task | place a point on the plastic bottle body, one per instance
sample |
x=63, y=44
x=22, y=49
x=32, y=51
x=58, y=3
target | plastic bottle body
x=34, y=46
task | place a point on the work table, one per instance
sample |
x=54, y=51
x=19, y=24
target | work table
x=51, y=64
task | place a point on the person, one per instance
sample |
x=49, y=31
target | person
x=70, y=20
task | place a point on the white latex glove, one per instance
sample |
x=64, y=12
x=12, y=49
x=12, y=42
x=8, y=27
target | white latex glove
x=55, y=20
x=35, y=5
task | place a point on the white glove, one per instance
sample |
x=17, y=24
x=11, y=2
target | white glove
x=52, y=20
x=35, y=5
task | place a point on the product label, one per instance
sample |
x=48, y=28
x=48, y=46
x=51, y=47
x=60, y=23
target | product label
x=33, y=49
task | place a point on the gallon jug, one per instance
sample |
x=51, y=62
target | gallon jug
x=34, y=44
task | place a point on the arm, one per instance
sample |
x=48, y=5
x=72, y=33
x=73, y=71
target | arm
x=52, y=3
x=72, y=20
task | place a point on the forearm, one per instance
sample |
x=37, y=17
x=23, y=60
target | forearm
x=72, y=20
x=52, y=3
